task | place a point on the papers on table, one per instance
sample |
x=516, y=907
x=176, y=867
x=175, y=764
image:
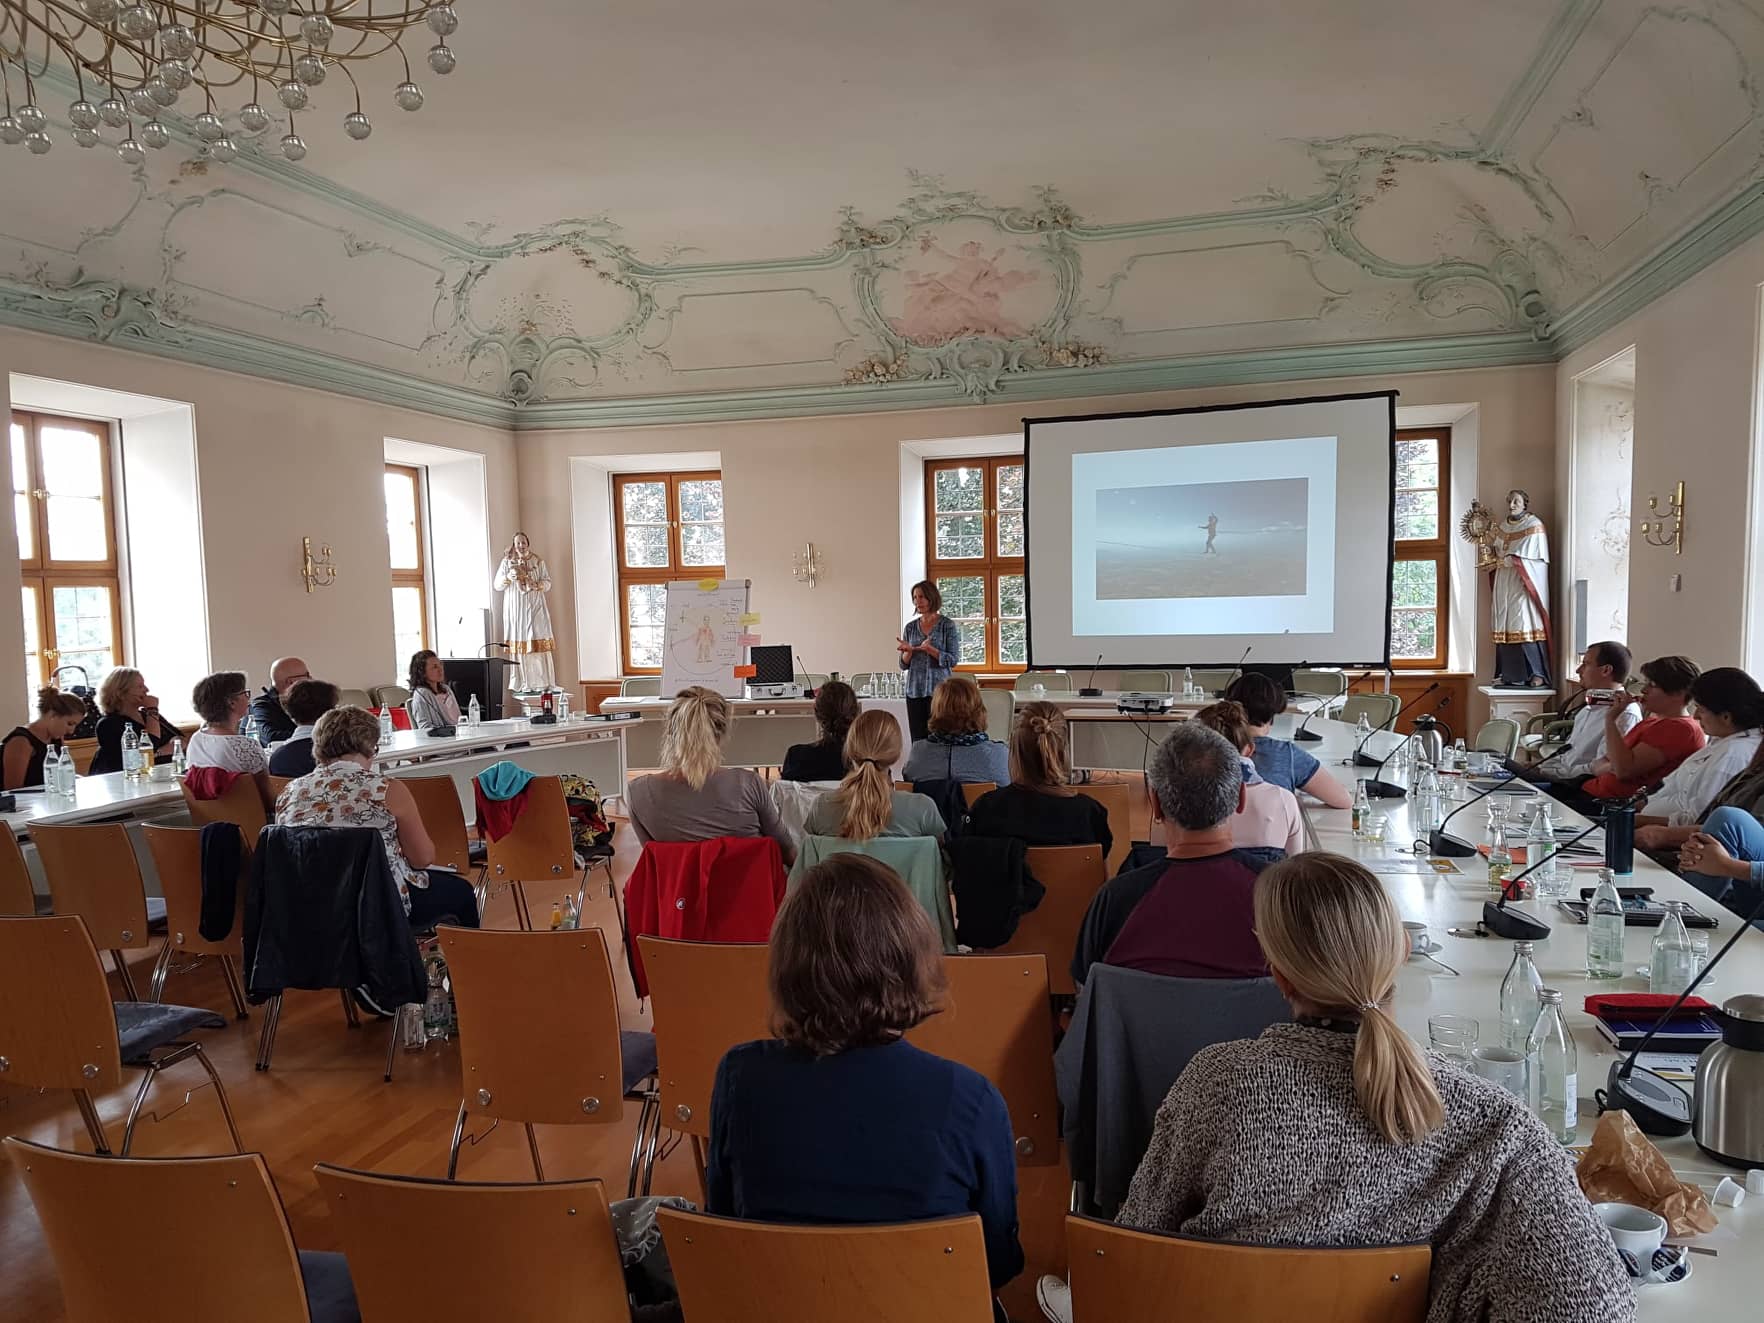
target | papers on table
x=1671, y=1065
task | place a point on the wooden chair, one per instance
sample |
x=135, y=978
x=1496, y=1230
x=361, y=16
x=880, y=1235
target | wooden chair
x=166, y=1240
x=17, y=895
x=539, y=1036
x=59, y=1028
x=93, y=873
x=972, y=790
x=437, y=801
x=275, y=785
x=1117, y=1273
x=755, y=1272
x=1072, y=875
x=389, y=1224
x=177, y=857
x=538, y=849
x=1116, y=797
x=242, y=805
x=705, y=998
x=995, y=1022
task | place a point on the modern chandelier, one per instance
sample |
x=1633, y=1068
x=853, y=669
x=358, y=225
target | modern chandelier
x=216, y=62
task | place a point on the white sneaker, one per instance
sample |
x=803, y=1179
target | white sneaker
x=1055, y=1298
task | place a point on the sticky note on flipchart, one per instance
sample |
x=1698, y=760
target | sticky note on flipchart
x=749, y=618
x=709, y=585
x=746, y=672
x=745, y=640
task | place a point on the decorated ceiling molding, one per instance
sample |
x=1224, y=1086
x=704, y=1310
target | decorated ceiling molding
x=1130, y=194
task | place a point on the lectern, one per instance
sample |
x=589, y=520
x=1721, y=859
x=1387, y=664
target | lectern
x=477, y=676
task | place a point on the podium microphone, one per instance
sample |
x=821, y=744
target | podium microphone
x=1511, y=924
x=1309, y=735
x=1090, y=690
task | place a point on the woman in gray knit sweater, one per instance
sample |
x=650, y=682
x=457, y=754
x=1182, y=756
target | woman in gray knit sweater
x=1336, y=1130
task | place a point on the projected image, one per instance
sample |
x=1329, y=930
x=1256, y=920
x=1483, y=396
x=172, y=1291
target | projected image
x=1202, y=539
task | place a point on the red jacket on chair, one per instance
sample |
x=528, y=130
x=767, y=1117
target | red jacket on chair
x=723, y=890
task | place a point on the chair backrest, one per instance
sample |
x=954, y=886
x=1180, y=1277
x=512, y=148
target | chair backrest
x=1001, y=712
x=1052, y=681
x=17, y=895
x=1143, y=682
x=640, y=686
x=538, y=1025
x=1330, y=684
x=1119, y=1273
x=92, y=872
x=1379, y=709
x=918, y=860
x=163, y=1240
x=241, y=805
x=437, y=801
x=1072, y=875
x=810, y=680
x=354, y=698
x=539, y=848
x=706, y=998
x=389, y=695
x=996, y=1022
x=1498, y=735
x=177, y=858
x=756, y=1272
x=861, y=680
x=1213, y=681
x=972, y=790
x=399, y=1231
x=56, y=1017
x=1116, y=797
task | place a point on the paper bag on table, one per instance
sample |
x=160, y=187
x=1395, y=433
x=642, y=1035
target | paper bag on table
x=1622, y=1166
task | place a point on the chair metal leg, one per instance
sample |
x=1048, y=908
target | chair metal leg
x=392, y=1048
x=161, y=967
x=94, y=1125
x=637, y=1148
x=123, y=976
x=349, y=1008
x=135, y=1108
x=221, y=1093
x=654, y=1147
x=533, y=1148
x=234, y=990
x=266, y=1037
x=458, y=1136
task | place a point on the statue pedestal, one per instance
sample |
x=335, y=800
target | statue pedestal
x=1517, y=704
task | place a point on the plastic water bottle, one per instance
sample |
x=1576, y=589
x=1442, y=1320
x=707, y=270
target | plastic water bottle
x=1673, y=962
x=385, y=727
x=1604, y=929
x=52, y=770
x=179, y=765
x=1540, y=854
x=437, y=1014
x=1555, y=1080
x=1520, y=998
x=131, y=755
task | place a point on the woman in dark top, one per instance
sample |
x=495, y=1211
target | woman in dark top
x=125, y=702
x=1039, y=806
x=836, y=707
x=23, y=751
x=837, y=1119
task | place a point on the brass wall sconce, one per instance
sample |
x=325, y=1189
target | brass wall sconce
x=1654, y=531
x=319, y=573
x=806, y=565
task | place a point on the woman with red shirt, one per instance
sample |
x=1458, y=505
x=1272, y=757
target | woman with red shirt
x=1665, y=736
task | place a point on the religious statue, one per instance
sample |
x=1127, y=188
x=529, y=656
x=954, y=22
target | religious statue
x=1516, y=552
x=523, y=580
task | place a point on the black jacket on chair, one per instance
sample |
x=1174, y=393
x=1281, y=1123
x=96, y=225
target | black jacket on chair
x=324, y=912
x=993, y=888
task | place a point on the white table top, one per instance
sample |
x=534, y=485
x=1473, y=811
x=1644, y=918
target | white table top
x=1717, y=1286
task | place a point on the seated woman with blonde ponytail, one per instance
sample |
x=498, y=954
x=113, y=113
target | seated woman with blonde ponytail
x=866, y=804
x=1337, y=1130
x=694, y=797
x=1039, y=806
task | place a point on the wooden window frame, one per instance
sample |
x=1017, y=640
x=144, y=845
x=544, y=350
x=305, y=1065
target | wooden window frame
x=1436, y=550
x=419, y=577
x=44, y=573
x=991, y=566
x=629, y=576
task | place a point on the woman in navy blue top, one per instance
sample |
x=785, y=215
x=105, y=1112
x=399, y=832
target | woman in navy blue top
x=838, y=1120
x=930, y=646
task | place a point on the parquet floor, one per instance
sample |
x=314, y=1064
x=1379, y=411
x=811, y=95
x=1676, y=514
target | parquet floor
x=324, y=1101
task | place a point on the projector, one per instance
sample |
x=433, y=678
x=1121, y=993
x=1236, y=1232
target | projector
x=1136, y=703
x=792, y=690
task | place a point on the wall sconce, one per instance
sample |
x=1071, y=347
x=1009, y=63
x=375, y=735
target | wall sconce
x=806, y=565
x=320, y=573
x=1654, y=531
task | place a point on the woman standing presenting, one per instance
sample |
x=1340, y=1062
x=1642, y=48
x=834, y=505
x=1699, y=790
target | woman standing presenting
x=930, y=646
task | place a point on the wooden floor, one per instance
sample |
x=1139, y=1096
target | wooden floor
x=324, y=1101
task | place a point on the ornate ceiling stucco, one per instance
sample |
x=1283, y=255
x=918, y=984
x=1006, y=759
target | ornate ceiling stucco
x=1615, y=152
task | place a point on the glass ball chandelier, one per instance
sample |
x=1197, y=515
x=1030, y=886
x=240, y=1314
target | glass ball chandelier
x=217, y=62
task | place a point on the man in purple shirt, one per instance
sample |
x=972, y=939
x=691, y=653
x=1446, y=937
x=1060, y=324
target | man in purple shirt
x=1188, y=915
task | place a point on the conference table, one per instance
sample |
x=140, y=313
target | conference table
x=761, y=731
x=1450, y=904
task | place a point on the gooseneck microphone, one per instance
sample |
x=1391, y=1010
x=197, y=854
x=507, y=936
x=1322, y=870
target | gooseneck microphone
x=1090, y=690
x=808, y=690
x=1440, y=842
x=1237, y=670
x=1511, y=924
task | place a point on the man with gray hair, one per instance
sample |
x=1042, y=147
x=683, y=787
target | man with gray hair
x=1189, y=914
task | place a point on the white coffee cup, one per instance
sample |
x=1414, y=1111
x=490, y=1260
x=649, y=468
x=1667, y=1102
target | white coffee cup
x=1417, y=931
x=1635, y=1230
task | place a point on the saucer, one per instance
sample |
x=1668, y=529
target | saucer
x=1429, y=947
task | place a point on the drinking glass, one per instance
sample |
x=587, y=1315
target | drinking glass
x=1453, y=1036
x=1376, y=825
x=1505, y=1067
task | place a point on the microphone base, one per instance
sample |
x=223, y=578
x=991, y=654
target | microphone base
x=1090, y=693
x=1659, y=1106
x=1448, y=846
x=1513, y=925
x=1362, y=759
x=1385, y=790
x=1307, y=735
